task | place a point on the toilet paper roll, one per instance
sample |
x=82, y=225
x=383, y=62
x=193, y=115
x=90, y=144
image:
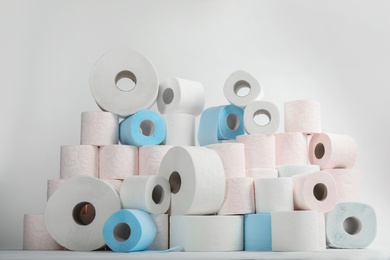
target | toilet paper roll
x=150, y=158
x=181, y=96
x=118, y=161
x=347, y=184
x=295, y=231
x=149, y=193
x=129, y=230
x=321, y=231
x=207, y=233
x=291, y=170
x=99, y=128
x=76, y=160
x=197, y=180
x=52, y=186
x=161, y=240
x=180, y=129
x=220, y=123
x=35, y=235
x=116, y=184
x=145, y=127
x=314, y=191
x=233, y=158
x=261, y=173
x=350, y=225
x=259, y=150
x=332, y=151
x=274, y=194
x=302, y=116
x=124, y=64
x=236, y=85
x=291, y=148
x=257, y=232
x=76, y=212
x=261, y=117
x=239, y=197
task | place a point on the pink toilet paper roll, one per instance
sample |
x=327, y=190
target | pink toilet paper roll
x=291, y=148
x=78, y=160
x=35, y=235
x=302, y=116
x=233, y=158
x=239, y=197
x=332, y=151
x=259, y=150
x=118, y=161
x=99, y=128
x=150, y=158
x=52, y=186
x=347, y=184
x=314, y=191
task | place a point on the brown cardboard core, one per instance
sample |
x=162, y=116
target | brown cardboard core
x=319, y=151
x=84, y=213
x=175, y=182
x=320, y=191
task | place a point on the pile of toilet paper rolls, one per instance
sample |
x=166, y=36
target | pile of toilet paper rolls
x=138, y=180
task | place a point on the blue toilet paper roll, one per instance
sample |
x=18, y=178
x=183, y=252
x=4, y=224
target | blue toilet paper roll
x=257, y=232
x=129, y=230
x=220, y=123
x=145, y=127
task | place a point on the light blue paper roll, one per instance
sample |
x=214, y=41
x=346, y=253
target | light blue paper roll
x=220, y=123
x=129, y=230
x=350, y=225
x=145, y=127
x=257, y=232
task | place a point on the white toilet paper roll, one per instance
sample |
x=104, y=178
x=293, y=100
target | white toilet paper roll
x=77, y=160
x=262, y=173
x=239, y=197
x=274, y=194
x=314, y=191
x=124, y=64
x=302, y=116
x=233, y=158
x=180, y=129
x=150, y=158
x=161, y=240
x=197, y=180
x=241, y=88
x=347, y=184
x=207, y=233
x=149, y=193
x=261, y=117
x=295, y=231
x=118, y=161
x=181, y=96
x=332, y=151
x=35, y=235
x=291, y=170
x=52, y=186
x=291, y=148
x=350, y=225
x=321, y=231
x=259, y=150
x=116, y=184
x=99, y=128
x=76, y=212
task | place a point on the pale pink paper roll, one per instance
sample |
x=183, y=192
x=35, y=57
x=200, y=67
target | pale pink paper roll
x=99, y=128
x=35, y=235
x=262, y=173
x=116, y=184
x=259, y=150
x=332, y=151
x=150, y=158
x=233, y=158
x=239, y=197
x=160, y=242
x=78, y=160
x=291, y=148
x=314, y=191
x=302, y=116
x=118, y=161
x=347, y=184
x=52, y=186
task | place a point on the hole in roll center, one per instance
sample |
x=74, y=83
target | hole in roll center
x=319, y=151
x=147, y=127
x=320, y=191
x=233, y=121
x=168, y=96
x=125, y=80
x=84, y=213
x=122, y=231
x=262, y=117
x=158, y=194
x=175, y=182
x=242, y=88
x=352, y=225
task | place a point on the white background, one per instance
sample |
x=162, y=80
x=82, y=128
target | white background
x=336, y=52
